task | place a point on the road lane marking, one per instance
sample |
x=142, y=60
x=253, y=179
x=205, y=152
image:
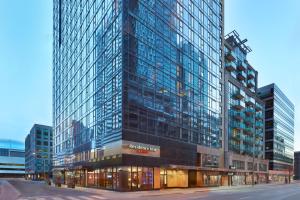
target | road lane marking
x=247, y=197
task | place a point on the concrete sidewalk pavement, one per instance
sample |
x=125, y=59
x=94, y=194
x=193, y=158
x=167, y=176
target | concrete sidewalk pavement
x=163, y=192
x=7, y=191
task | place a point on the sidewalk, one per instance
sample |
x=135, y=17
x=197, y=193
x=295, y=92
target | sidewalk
x=7, y=191
x=163, y=192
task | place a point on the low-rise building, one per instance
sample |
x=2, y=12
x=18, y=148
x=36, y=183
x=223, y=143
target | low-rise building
x=279, y=129
x=38, y=152
x=12, y=161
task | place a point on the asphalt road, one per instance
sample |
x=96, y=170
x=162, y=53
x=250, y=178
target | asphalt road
x=29, y=190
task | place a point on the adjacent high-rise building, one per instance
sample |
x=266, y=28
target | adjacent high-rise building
x=244, y=115
x=137, y=93
x=38, y=152
x=12, y=162
x=279, y=128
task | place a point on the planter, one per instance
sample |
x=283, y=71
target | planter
x=57, y=184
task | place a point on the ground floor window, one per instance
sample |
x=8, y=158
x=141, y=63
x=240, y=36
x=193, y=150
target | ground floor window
x=117, y=178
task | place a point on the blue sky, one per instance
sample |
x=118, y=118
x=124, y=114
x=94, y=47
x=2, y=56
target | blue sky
x=272, y=28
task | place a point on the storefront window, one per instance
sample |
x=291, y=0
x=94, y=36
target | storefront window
x=121, y=178
x=109, y=178
x=91, y=179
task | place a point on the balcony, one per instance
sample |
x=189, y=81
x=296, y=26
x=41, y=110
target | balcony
x=259, y=143
x=249, y=111
x=239, y=116
x=230, y=55
x=241, y=66
x=248, y=131
x=259, y=124
x=230, y=66
x=258, y=107
x=259, y=134
x=239, y=94
x=251, y=74
x=249, y=120
x=241, y=75
x=239, y=105
x=246, y=150
x=250, y=83
x=259, y=116
x=248, y=140
x=238, y=126
x=250, y=101
x=237, y=136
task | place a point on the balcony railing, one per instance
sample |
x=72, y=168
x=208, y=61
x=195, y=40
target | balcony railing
x=239, y=105
x=259, y=116
x=249, y=131
x=241, y=66
x=259, y=124
x=251, y=74
x=237, y=115
x=230, y=66
x=258, y=107
x=239, y=94
x=241, y=75
x=249, y=120
x=249, y=140
x=250, y=83
x=239, y=126
x=250, y=101
x=259, y=143
x=238, y=136
x=230, y=55
x=249, y=111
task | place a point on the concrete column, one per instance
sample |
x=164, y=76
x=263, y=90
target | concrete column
x=85, y=178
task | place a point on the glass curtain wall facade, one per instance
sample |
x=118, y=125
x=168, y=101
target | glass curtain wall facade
x=130, y=79
x=244, y=113
x=279, y=117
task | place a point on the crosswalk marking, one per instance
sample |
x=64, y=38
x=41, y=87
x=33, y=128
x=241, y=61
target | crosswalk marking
x=94, y=197
x=71, y=198
x=98, y=197
x=57, y=198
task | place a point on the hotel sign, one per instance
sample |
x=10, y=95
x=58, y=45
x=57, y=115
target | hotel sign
x=141, y=149
x=131, y=148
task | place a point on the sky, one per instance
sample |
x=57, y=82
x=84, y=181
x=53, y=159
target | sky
x=272, y=28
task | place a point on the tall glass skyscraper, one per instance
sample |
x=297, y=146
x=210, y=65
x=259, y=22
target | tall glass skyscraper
x=279, y=117
x=137, y=93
